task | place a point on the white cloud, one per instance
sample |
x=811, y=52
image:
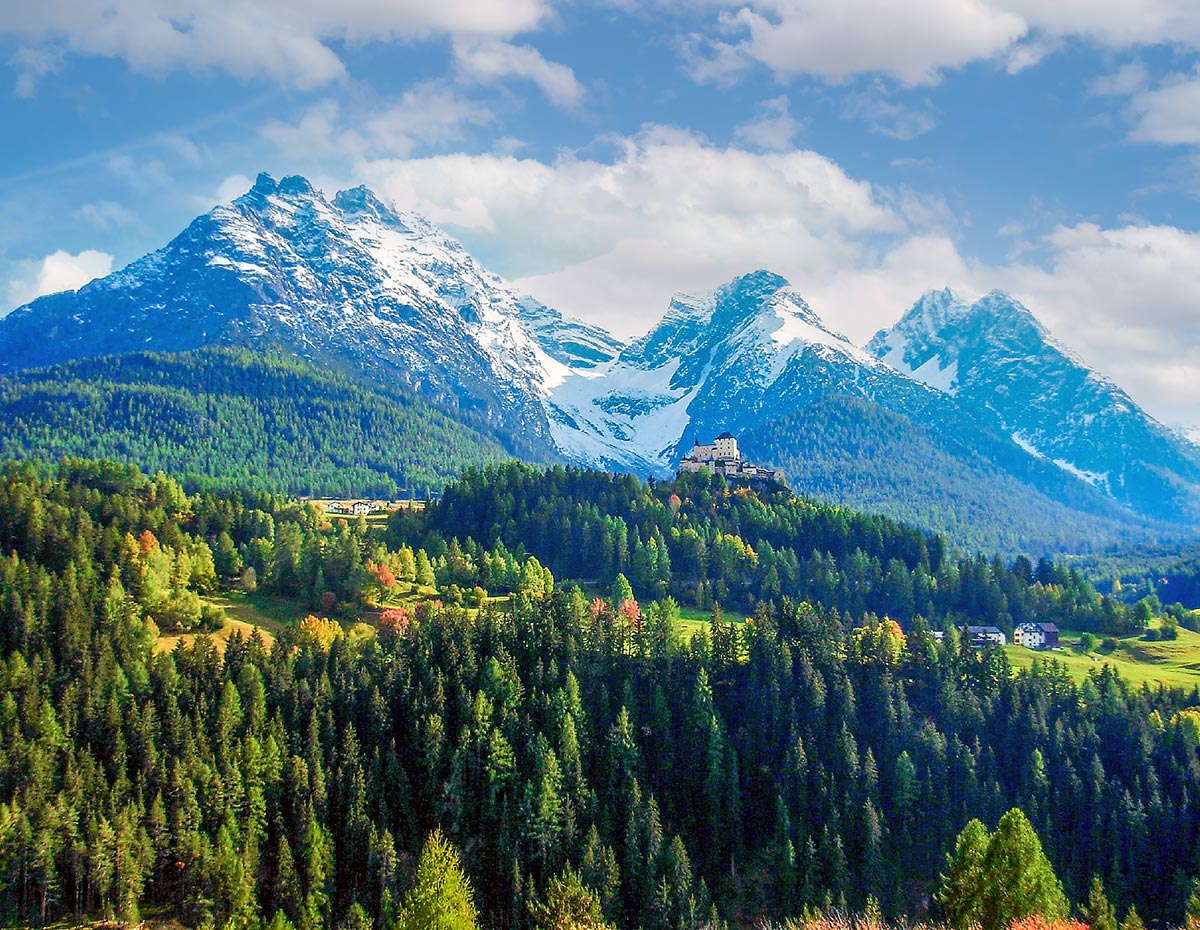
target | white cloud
x=609, y=240
x=772, y=128
x=288, y=41
x=909, y=41
x=60, y=271
x=887, y=118
x=429, y=114
x=1168, y=114
x=489, y=61
x=1126, y=80
x=1030, y=52
x=1113, y=24
x=914, y=41
x=1164, y=112
x=32, y=64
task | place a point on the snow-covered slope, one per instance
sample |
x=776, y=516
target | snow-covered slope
x=722, y=360
x=349, y=283
x=998, y=360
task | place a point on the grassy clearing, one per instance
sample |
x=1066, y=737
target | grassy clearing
x=410, y=596
x=1175, y=663
x=243, y=614
x=692, y=620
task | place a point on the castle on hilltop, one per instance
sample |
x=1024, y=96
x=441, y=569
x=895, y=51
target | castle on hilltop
x=721, y=457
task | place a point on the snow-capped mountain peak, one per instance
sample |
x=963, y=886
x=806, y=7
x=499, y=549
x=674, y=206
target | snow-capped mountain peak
x=352, y=283
x=733, y=358
x=997, y=359
x=349, y=282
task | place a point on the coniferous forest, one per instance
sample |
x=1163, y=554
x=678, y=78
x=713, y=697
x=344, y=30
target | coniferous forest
x=565, y=749
x=227, y=417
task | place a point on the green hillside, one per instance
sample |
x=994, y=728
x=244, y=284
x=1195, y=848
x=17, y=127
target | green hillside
x=854, y=452
x=226, y=417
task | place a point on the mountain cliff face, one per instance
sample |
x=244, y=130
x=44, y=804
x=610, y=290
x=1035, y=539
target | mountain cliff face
x=352, y=285
x=731, y=359
x=997, y=360
x=349, y=284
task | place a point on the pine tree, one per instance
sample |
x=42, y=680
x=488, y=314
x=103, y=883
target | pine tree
x=1191, y=914
x=963, y=880
x=568, y=905
x=441, y=898
x=424, y=570
x=1097, y=913
x=1132, y=921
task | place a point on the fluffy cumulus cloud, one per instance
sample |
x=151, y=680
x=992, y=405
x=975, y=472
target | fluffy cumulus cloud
x=290, y=41
x=489, y=61
x=1164, y=111
x=916, y=41
x=60, y=271
x=609, y=240
x=1169, y=113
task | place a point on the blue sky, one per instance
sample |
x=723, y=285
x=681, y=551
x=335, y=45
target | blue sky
x=606, y=155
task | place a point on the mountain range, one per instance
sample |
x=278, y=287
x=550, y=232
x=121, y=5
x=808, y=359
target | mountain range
x=968, y=417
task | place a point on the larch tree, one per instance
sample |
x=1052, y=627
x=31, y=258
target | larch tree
x=442, y=897
x=568, y=905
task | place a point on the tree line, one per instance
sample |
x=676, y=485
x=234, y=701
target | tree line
x=707, y=542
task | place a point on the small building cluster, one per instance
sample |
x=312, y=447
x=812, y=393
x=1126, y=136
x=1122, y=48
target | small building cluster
x=982, y=636
x=362, y=508
x=722, y=457
x=1036, y=635
x=1030, y=635
x=354, y=508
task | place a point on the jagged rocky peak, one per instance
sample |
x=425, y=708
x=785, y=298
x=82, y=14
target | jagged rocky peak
x=289, y=186
x=695, y=321
x=362, y=199
x=915, y=334
x=997, y=359
x=752, y=288
x=1001, y=306
x=755, y=293
x=936, y=308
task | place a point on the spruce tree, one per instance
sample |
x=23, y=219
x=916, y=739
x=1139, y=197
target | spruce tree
x=1097, y=913
x=441, y=898
x=568, y=905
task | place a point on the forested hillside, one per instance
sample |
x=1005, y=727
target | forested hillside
x=233, y=418
x=1171, y=573
x=850, y=450
x=814, y=755
x=707, y=542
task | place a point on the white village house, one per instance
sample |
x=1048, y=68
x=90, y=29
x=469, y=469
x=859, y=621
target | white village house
x=1036, y=635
